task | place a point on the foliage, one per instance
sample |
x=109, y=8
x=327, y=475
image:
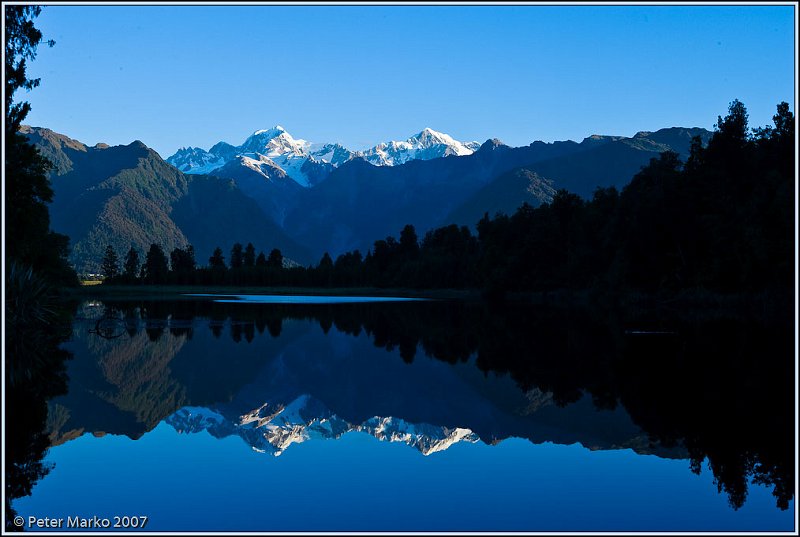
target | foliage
x=249, y=259
x=36, y=326
x=22, y=40
x=131, y=264
x=237, y=256
x=28, y=189
x=155, y=265
x=275, y=259
x=217, y=260
x=110, y=267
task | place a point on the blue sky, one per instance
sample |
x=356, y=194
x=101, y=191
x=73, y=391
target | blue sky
x=176, y=76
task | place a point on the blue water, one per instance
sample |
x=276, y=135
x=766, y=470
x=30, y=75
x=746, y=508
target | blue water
x=293, y=409
x=189, y=482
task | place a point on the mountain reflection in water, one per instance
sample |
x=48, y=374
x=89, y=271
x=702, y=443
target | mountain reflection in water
x=718, y=390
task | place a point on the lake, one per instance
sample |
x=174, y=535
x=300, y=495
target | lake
x=240, y=413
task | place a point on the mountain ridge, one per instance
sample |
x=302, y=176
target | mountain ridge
x=337, y=209
x=128, y=196
x=291, y=154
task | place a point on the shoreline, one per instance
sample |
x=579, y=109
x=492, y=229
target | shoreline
x=179, y=292
x=762, y=304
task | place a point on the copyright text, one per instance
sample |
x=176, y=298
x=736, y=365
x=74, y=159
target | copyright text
x=126, y=522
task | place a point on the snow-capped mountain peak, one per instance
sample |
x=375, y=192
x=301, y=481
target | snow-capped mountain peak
x=274, y=142
x=335, y=154
x=428, y=137
x=274, y=131
x=308, y=163
x=425, y=145
x=195, y=160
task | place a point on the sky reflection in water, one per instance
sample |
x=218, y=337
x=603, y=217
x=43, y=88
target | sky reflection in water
x=197, y=482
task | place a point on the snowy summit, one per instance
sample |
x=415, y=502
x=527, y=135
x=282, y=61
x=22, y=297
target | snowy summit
x=299, y=158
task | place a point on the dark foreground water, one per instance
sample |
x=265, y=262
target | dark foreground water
x=208, y=415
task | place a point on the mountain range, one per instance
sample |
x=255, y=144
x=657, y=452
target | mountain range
x=305, y=199
x=306, y=162
x=128, y=196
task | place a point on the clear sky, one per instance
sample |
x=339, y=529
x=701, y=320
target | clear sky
x=176, y=76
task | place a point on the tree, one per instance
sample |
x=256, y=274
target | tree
x=131, y=264
x=409, y=247
x=110, y=266
x=190, y=256
x=784, y=121
x=28, y=188
x=261, y=260
x=217, y=260
x=324, y=271
x=734, y=125
x=275, y=259
x=237, y=257
x=326, y=263
x=183, y=263
x=22, y=40
x=155, y=265
x=249, y=255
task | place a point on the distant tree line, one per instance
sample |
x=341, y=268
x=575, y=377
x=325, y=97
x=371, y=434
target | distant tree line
x=721, y=221
x=182, y=268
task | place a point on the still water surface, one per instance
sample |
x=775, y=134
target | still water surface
x=213, y=414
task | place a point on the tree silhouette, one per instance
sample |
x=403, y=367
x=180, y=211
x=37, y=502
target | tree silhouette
x=275, y=259
x=28, y=189
x=110, y=266
x=22, y=40
x=155, y=265
x=217, y=260
x=326, y=263
x=237, y=257
x=131, y=267
x=249, y=255
x=409, y=247
x=183, y=263
x=734, y=125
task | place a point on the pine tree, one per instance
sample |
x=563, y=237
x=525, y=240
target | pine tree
x=249, y=255
x=217, y=260
x=275, y=259
x=409, y=245
x=326, y=263
x=237, y=257
x=131, y=264
x=155, y=265
x=110, y=266
x=183, y=263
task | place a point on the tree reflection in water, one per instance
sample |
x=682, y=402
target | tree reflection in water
x=36, y=326
x=719, y=387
